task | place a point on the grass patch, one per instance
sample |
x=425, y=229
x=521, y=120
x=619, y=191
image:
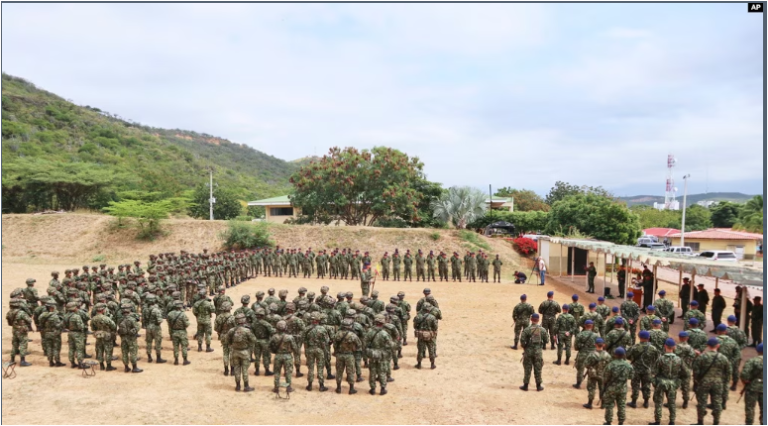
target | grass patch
x=435, y=236
x=474, y=239
x=99, y=258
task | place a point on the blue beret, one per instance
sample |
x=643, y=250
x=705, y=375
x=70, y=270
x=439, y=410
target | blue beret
x=575, y=297
x=592, y=305
x=550, y=293
x=601, y=299
x=615, y=309
x=712, y=342
x=620, y=351
x=732, y=318
x=657, y=321
x=684, y=334
x=589, y=322
x=523, y=297
x=662, y=293
x=619, y=321
x=644, y=334
x=535, y=316
x=670, y=342
x=759, y=348
x=721, y=327
x=367, y=264
x=630, y=294
x=566, y=307
x=694, y=303
x=650, y=308
x=599, y=340
x=693, y=321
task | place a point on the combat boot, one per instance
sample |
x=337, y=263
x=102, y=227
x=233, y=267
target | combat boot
x=405, y=342
x=539, y=387
x=136, y=369
x=226, y=370
x=186, y=362
x=418, y=365
x=50, y=364
x=433, y=366
x=645, y=403
x=175, y=361
x=685, y=404
x=237, y=387
x=372, y=391
x=323, y=388
x=160, y=360
x=338, y=388
x=632, y=404
x=359, y=379
x=383, y=391
x=567, y=360
x=101, y=366
x=588, y=405
x=553, y=346
x=352, y=390
x=558, y=362
x=24, y=363
x=390, y=379
x=209, y=349
x=269, y=373
x=298, y=372
x=524, y=387
x=514, y=346
x=127, y=369
x=110, y=367
x=199, y=347
x=733, y=387
x=289, y=389
x=577, y=385
x=247, y=388
x=232, y=371
x=309, y=387
x=329, y=375
x=59, y=364
x=149, y=357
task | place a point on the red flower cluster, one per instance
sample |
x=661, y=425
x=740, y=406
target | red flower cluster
x=525, y=246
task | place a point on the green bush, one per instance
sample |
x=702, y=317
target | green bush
x=435, y=236
x=99, y=258
x=524, y=222
x=473, y=238
x=243, y=218
x=245, y=235
x=390, y=222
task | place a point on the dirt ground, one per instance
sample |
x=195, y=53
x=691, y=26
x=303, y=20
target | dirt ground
x=476, y=381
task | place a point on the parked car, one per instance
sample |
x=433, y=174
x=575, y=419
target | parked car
x=657, y=247
x=645, y=242
x=721, y=255
x=680, y=250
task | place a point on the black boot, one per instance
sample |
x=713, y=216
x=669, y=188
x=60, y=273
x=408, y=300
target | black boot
x=418, y=365
x=24, y=363
x=101, y=366
x=539, y=387
x=352, y=390
x=338, y=388
x=685, y=404
x=175, y=361
x=514, y=346
x=372, y=391
x=588, y=405
x=110, y=367
x=524, y=387
x=568, y=360
x=558, y=362
x=632, y=404
x=208, y=349
x=577, y=386
x=269, y=373
x=231, y=371
x=322, y=387
x=309, y=387
x=149, y=357
x=185, y=362
x=199, y=347
x=127, y=369
x=226, y=370
x=433, y=366
x=237, y=387
x=645, y=403
x=160, y=360
x=247, y=388
x=390, y=380
x=51, y=364
x=136, y=369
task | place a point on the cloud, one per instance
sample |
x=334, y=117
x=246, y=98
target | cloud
x=515, y=95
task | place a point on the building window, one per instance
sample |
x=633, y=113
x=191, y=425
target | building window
x=281, y=211
x=693, y=246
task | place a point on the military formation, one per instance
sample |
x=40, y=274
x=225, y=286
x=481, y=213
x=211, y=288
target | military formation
x=612, y=353
x=366, y=333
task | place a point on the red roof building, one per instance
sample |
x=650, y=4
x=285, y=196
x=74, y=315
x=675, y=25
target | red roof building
x=719, y=234
x=661, y=232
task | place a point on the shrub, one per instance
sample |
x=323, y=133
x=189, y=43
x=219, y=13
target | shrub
x=99, y=258
x=435, y=236
x=390, y=222
x=245, y=235
x=525, y=246
x=243, y=218
x=473, y=238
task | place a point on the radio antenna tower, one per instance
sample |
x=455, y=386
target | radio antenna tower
x=670, y=203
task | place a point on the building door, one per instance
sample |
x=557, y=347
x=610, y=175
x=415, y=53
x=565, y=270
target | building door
x=577, y=257
x=739, y=250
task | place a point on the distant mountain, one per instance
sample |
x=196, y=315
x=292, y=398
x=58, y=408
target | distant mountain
x=735, y=197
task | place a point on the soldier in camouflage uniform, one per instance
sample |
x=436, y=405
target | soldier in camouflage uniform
x=549, y=310
x=565, y=326
x=282, y=345
x=346, y=343
x=609, y=322
x=738, y=335
x=405, y=308
x=732, y=351
x=425, y=331
x=395, y=327
x=73, y=323
x=667, y=374
x=103, y=328
x=21, y=323
x=643, y=357
x=51, y=325
x=585, y=344
x=596, y=318
x=225, y=321
x=686, y=353
x=697, y=336
x=646, y=323
x=154, y=332
x=752, y=377
x=631, y=313
x=315, y=341
x=241, y=340
x=220, y=298
x=379, y=345
x=534, y=338
x=263, y=331
x=576, y=308
x=658, y=336
x=128, y=329
x=521, y=314
x=202, y=310
x=595, y=365
x=711, y=374
x=366, y=276
x=694, y=312
x=616, y=374
x=177, y=326
x=604, y=311
x=665, y=310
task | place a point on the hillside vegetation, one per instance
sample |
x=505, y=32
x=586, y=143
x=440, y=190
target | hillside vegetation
x=81, y=237
x=691, y=199
x=60, y=155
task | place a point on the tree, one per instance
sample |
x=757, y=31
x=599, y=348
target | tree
x=525, y=200
x=564, y=189
x=654, y=218
x=147, y=213
x=751, y=216
x=358, y=187
x=524, y=222
x=245, y=235
x=697, y=218
x=425, y=217
x=460, y=206
x=725, y=214
x=226, y=207
x=595, y=215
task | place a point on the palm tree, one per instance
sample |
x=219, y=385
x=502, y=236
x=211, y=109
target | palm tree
x=751, y=217
x=459, y=206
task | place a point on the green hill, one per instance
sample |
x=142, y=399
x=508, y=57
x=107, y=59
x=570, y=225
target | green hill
x=45, y=136
x=691, y=199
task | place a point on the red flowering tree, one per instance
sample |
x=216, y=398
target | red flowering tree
x=525, y=246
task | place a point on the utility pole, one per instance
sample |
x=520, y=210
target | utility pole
x=490, y=198
x=211, y=200
x=685, y=194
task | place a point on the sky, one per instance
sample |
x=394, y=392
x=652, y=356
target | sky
x=517, y=95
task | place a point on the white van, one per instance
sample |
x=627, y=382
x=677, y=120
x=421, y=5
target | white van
x=721, y=255
x=680, y=250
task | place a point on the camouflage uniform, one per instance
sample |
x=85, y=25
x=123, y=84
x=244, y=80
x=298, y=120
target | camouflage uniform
x=241, y=341
x=21, y=323
x=711, y=373
x=595, y=364
x=643, y=357
x=154, y=334
x=263, y=331
x=665, y=310
x=177, y=326
x=202, y=312
x=752, y=375
x=585, y=344
x=732, y=351
x=346, y=343
x=282, y=345
x=534, y=338
x=225, y=321
x=565, y=326
x=73, y=322
x=51, y=325
x=425, y=330
x=668, y=373
x=315, y=341
x=630, y=312
x=521, y=314
x=103, y=328
x=685, y=352
x=378, y=346
x=128, y=328
x=549, y=310
x=616, y=374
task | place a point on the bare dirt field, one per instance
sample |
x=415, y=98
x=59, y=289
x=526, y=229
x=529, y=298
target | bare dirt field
x=476, y=381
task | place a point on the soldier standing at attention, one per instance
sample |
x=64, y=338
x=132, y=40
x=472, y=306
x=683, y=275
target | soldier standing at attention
x=667, y=374
x=425, y=331
x=658, y=336
x=497, y=263
x=73, y=323
x=263, y=331
x=431, y=266
x=665, y=310
x=420, y=266
x=128, y=330
x=698, y=338
x=549, y=310
x=345, y=344
x=405, y=307
x=225, y=322
x=616, y=374
x=282, y=345
x=752, y=377
x=22, y=323
x=603, y=309
x=379, y=344
x=521, y=314
x=630, y=312
x=585, y=344
x=241, y=340
x=202, y=311
x=591, y=274
x=456, y=267
x=154, y=332
x=686, y=353
x=177, y=326
x=643, y=357
x=396, y=266
x=694, y=312
x=595, y=365
x=365, y=279
x=565, y=326
x=442, y=267
x=51, y=324
x=407, y=266
x=315, y=341
x=385, y=266
x=534, y=338
x=732, y=351
x=103, y=328
x=711, y=374
x=577, y=309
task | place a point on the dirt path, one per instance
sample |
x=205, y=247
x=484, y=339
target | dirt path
x=476, y=381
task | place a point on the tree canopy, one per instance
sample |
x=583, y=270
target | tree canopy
x=751, y=216
x=358, y=187
x=525, y=200
x=460, y=206
x=725, y=214
x=226, y=207
x=561, y=190
x=595, y=215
